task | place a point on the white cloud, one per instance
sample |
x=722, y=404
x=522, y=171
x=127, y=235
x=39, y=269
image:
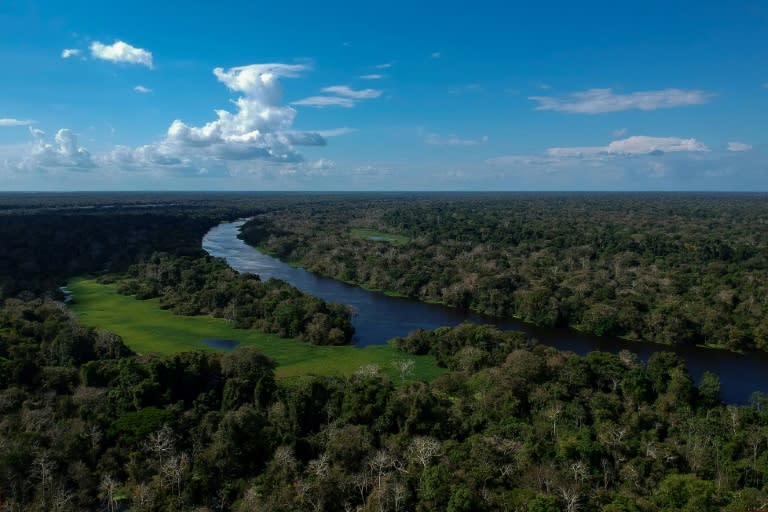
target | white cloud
x=345, y=97
x=70, y=52
x=64, y=153
x=261, y=127
x=435, y=55
x=346, y=91
x=123, y=52
x=143, y=157
x=598, y=101
x=738, y=146
x=335, y=132
x=325, y=101
x=142, y=90
x=635, y=145
x=320, y=167
x=386, y=65
x=453, y=140
x=374, y=76
x=9, y=121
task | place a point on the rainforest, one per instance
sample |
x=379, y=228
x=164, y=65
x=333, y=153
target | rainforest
x=114, y=398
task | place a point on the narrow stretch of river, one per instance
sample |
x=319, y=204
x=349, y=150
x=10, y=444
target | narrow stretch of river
x=379, y=318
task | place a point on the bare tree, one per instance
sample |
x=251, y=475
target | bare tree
x=172, y=471
x=319, y=467
x=108, y=491
x=162, y=442
x=399, y=493
x=553, y=414
x=43, y=469
x=405, y=367
x=368, y=370
x=570, y=497
x=61, y=498
x=423, y=449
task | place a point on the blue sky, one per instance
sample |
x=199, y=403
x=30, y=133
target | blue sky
x=395, y=96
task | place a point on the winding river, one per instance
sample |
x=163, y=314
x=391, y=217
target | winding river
x=379, y=318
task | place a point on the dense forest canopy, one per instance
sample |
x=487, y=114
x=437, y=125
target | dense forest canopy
x=85, y=424
x=669, y=268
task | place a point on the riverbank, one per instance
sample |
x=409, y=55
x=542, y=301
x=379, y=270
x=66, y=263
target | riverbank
x=147, y=328
x=380, y=318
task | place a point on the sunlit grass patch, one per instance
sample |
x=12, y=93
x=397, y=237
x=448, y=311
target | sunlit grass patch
x=147, y=328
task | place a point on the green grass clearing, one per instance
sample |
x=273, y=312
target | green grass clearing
x=378, y=236
x=147, y=328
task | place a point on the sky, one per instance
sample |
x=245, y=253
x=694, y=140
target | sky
x=232, y=95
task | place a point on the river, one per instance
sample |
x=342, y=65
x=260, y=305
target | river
x=379, y=318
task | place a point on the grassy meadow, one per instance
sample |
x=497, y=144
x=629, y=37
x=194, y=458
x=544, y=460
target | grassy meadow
x=147, y=328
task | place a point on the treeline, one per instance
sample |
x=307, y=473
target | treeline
x=84, y=425
x=39, y=251
x=669, y=268
x=49, y=237
x=205, y=285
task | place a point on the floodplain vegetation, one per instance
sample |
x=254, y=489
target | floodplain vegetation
x=94, y=419
x=667, y=268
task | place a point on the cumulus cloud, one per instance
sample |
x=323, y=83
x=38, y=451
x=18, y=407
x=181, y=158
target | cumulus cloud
x=636, y=163
x=453, y=140
x=146, y=156
x=346, y=91
x=259, y=129
x=66, y=53
x=635, y=145
x=599, y=101
x=121, y=52
x=738, y=146
x=373, y=76
x=9, y=121
x=64, y=152
x=142, y=90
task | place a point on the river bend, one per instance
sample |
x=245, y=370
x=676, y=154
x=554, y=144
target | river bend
x=379, y=318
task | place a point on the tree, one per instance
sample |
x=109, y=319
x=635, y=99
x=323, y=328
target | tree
x=709, y=389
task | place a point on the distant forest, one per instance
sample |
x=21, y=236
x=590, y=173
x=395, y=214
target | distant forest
x=668, y=268
x=513, y=425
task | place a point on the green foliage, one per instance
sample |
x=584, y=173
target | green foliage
x=674, y=269
x=133, y=426
x=686, y=493
x=544, y=504
x=86, y=424
x=148, y=329
x=207, y=286
x=378, y=236
x=520, y=427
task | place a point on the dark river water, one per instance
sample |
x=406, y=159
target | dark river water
x=379, y=318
